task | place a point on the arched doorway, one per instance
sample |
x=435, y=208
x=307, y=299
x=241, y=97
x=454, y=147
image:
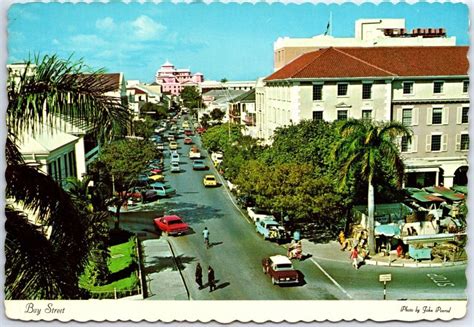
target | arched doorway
x=460, y=176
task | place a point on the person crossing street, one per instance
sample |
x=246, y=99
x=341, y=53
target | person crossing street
x=211, y=279
x=199, y=275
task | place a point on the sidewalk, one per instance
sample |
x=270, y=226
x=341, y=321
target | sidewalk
x=163, y=278
x=331, y=252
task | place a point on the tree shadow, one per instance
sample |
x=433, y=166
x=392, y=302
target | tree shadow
x=157, y=264
x=121, y=274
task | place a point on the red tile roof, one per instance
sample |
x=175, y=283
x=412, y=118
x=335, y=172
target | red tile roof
x=377, y=62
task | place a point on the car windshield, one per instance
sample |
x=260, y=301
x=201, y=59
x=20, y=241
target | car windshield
x=167, y=187
x=174, y=222
x=210, y=178
x=284, y=266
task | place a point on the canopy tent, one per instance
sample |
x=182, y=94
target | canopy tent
x=423, y=196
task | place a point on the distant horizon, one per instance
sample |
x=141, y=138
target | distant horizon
x=232, y=41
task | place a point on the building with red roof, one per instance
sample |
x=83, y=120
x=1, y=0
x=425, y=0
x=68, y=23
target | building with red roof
x=426, y=88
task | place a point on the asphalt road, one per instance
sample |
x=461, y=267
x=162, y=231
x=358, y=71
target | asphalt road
x=237, y=250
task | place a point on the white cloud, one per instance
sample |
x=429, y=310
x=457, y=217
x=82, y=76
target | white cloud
x=106, y=23
x=87, y=42
x=55, y=42
x=145, y=28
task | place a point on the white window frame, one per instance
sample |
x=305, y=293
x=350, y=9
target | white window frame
x=442, y=87
x=347, y=90
x=412, y=87
x=371, y=83
x=367, y=110
x=463, y=82
x=321, y=84
x=459, y=115
x=443, y=142
x=458, y=142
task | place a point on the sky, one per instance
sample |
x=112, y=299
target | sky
x=232, y=41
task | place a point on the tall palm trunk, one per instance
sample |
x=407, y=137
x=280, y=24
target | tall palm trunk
x=370, y=218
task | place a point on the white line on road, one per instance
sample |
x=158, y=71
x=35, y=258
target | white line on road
x=332, y=279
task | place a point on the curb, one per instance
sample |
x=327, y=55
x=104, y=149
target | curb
x=415, y=264
x=179, y=270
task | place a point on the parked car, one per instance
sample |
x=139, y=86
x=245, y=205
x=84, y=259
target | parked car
x=173, y=145
x=171, y=225
x=209, y=180
x=270, y=229
x=257, y=214
x=280, y=269
x=175, y=156
x=194, y=153
x=244, y=201
x=157, y=177
x=175, y=167
x=160, y=146
x=199, y=165
x=200, y=130
x=188, y=140
x=217, y=157
x=188, y=132
x=161, y=189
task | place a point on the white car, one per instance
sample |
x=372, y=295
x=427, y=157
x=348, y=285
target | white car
x=194, y=153
x=175, y=167
x=175, y=157
x=258, y=214
x=217, y=158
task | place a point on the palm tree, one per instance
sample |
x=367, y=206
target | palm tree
x=365, y=145
x=45, y=255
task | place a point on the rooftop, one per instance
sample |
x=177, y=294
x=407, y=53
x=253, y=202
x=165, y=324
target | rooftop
x=377, y=62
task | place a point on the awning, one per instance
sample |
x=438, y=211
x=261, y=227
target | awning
x=389, y=230
x=423, y=196
x=460, y=189
x=446, y=193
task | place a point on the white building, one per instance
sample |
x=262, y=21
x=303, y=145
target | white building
x=384, y=32
x=424, y=87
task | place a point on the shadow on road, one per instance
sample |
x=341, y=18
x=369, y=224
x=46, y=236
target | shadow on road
x=212, y=244
x=193, y=213
x=223, y=285
x=157, y=264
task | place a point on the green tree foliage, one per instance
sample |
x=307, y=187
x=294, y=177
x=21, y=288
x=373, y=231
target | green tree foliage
x=158, y=111
x=125, y=159
x=363, y=148
x=191, y=97
x=217, y=114
x=88, y=204
x=219, y=137
x=144, y=128
x=44, y=259
x=205, y=118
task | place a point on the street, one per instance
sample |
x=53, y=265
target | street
x=237, y=250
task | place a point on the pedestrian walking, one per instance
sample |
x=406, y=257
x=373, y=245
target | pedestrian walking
x=355, y=257
x=199, y=275
x=211, y=279
x=205, y=233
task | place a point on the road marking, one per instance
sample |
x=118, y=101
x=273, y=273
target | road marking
x=440, y=280
x=331, y=279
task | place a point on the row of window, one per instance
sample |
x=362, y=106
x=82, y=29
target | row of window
x=438, y=87
x=342, y=89
x=435, y=116
x=435, y=143
x=343, y=114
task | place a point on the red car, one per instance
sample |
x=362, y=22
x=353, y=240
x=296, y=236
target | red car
x=200, y=130
x=280, y=269
x=171, y=225
x=188, y=132
x=188, y=140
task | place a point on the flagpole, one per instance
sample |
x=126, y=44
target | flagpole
x=330, y=23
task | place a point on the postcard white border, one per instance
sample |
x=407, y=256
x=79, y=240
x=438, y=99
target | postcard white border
x=230, y=311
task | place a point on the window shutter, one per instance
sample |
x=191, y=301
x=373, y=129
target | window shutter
x=459, y=115
x=429, y=116
x=428, y=143
x=414, y=143
x=399, y=114
x=414, y=119
x=446, y=116
x=444, y=142
x=458, y=142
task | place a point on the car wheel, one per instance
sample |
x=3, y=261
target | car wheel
x=273, y=281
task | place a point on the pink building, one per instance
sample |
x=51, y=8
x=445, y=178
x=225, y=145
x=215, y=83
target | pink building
x=173, y=80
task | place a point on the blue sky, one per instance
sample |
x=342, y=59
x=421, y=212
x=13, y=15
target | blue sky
x=219, y=40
